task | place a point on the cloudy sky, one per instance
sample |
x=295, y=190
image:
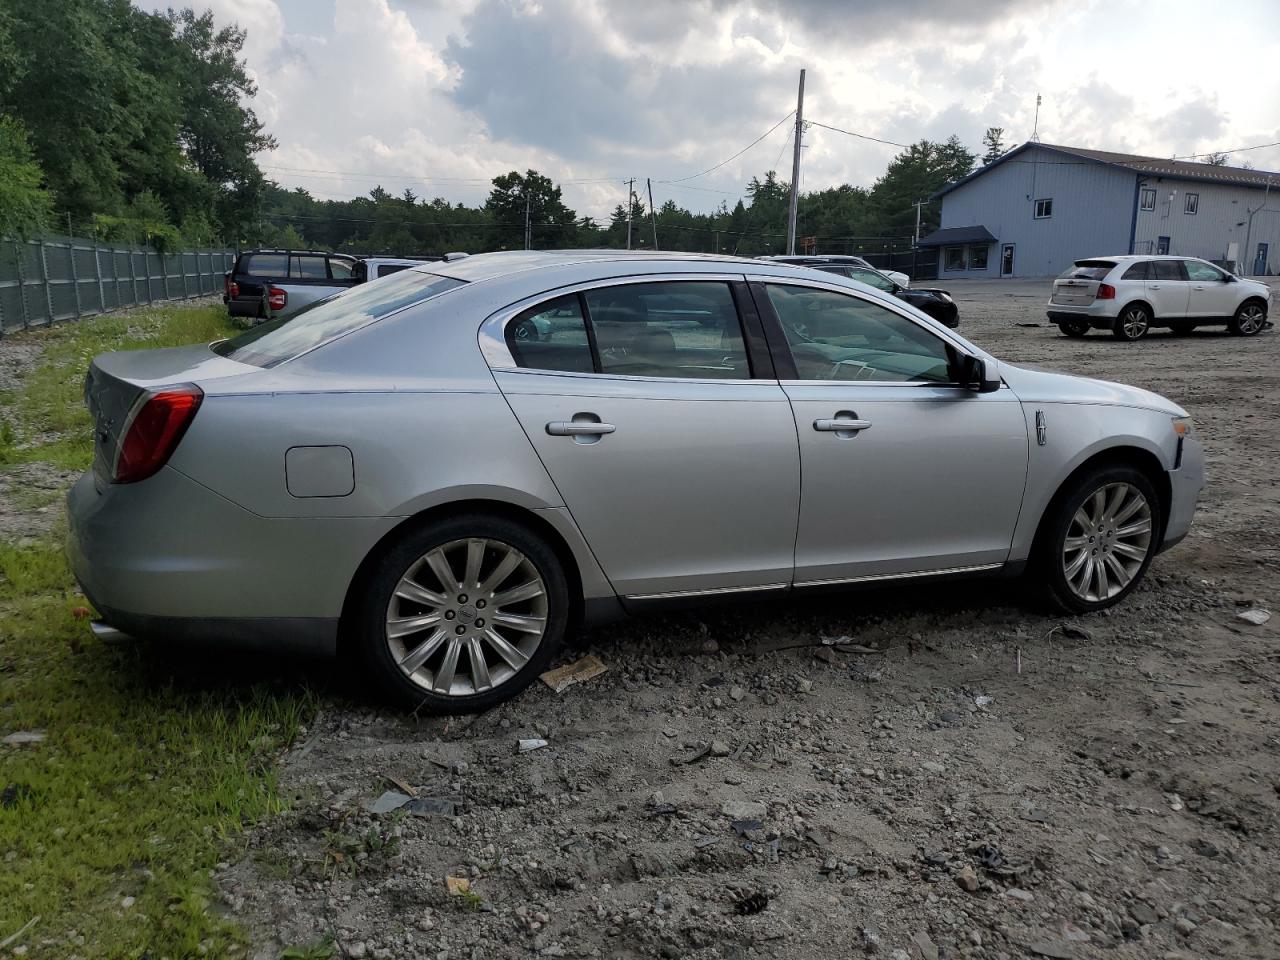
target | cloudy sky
x=442, y=95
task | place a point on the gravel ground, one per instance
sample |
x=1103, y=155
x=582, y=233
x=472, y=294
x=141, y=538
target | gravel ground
x=958, y=776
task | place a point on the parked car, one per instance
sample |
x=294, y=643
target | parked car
x=1129, y=295
x=394, y=469
x=276, y=283
x=832, y=263
x=371, y=268
x=936, y=303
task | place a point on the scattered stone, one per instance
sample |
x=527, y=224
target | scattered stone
x=24, y=738
x=1074, y=934
x=804, y=686
x=457, y=886
x=743, y=827
x=744, y=809
x=580, y=671
x=1017, y=893
x=932, y=766
x=709, y=646
x=928, y=949
x=1143, y=913
x=533, y=743
x=736, y=693
x=357, y=950
x=1184, y=926
x=1255, y=615
x=982, y=701
x=128, y=902
x=703, y=842
x=391, y=800
x=825, y=654
x=1056, y=949
x=967, y=879
x=719, y=748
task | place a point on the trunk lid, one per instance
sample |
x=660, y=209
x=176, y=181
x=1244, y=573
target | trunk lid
x=117, y=383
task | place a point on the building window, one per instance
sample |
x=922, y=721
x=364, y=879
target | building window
x=955, y=258
x=1044, y=209
x=978, y=257
x=1148, y=198
x=1192, y=203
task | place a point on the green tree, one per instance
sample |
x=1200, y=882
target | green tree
x=26, y=207
x=916, y=174
x=993, y=140
x=552, y=224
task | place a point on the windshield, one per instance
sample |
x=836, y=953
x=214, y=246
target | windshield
x=284, y=338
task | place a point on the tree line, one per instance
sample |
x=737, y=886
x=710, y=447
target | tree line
x=840, y=219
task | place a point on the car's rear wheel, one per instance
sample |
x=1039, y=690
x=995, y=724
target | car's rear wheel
x=1099, y=539
x=463, y=613
x=1133, y=322
x=1074, y=328
x=1250, y=318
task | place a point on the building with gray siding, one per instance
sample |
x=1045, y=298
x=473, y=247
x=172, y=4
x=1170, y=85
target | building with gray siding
x=1039, y=207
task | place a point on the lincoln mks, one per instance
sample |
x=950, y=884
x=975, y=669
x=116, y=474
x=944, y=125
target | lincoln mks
x=404, y=469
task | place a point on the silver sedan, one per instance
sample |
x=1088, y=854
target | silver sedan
x=404, y=468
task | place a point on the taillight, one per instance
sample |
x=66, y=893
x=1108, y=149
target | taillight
x=1105, y=292
x=154, y=432
x=277, y=298
x=232, y=288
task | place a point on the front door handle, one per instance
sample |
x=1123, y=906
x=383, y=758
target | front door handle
x=843, y=424
x=579, y=428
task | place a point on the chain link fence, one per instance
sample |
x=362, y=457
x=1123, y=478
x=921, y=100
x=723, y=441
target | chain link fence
x=65, y=278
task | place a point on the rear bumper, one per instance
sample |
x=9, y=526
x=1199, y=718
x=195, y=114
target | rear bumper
x=169, y=559
x=244, y=308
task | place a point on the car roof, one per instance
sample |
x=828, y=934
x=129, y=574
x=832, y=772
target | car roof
x=1140, y=256
x=485, y=266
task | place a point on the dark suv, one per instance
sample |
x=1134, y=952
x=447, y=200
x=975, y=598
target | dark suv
x=275, y=283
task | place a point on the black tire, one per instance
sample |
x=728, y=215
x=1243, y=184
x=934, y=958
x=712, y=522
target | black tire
x=1048, y=563
x=1074, y=328
x=1182, y=329
x=1249, y=320
x=1132, y=323
x=400, y=556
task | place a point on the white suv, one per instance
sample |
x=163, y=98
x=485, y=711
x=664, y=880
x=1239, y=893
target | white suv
x=1129, y=295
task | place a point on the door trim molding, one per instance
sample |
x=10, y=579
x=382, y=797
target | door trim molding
x=714, y=591
x=871, y=578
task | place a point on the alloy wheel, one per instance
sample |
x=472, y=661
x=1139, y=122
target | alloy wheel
x=466, y=617
x=1134, y=322
x=1107, y=542
x=1250, y=319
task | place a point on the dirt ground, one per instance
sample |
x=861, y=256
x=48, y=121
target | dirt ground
x=965, y=777
x=925, y=772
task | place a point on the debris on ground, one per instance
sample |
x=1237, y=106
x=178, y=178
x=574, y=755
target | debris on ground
x=580, y=671
x=391, y=800
x=1255, y=615
x=24, y=738
x=457, y=886
x=530, y=744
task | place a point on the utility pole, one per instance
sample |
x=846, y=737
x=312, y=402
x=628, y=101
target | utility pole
x=918, y=204
x=795, y=172
x=527, y=232
x=653, y=214
x=630, y=205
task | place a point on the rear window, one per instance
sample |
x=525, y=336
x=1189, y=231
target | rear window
x=384, y=269
x=284, y=338
x=1088, y=270
x=308, y=268
x=265, y=265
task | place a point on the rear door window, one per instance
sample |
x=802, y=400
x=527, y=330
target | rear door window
x=265, y=265
x=307, y=268
x=284, y=338
x=678, y=329
x=552, y=336
x=1166, y=270
x=1137, y=271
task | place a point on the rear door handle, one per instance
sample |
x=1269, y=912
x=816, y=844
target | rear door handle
x=578, y=428
x=841, y=425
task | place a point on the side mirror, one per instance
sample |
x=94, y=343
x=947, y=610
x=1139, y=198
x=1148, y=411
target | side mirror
x=988, y=376
x=1228, y=278
x=971, y=371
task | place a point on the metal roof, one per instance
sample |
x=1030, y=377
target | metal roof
x=957, y=235
x=1151, y=166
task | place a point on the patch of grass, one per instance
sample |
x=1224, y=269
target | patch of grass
x=51, y=420
x=110, y=827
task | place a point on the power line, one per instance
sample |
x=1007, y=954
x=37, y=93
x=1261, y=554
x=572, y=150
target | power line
x=1256, y=146
x=736, y=155
x=850, y=133
x=312, y=173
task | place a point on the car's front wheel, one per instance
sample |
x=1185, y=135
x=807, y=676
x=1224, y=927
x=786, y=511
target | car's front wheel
x=1074, y=328
x=1250, y=318
x=463, y=613
x=1133, y=322
x=1099, y=539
